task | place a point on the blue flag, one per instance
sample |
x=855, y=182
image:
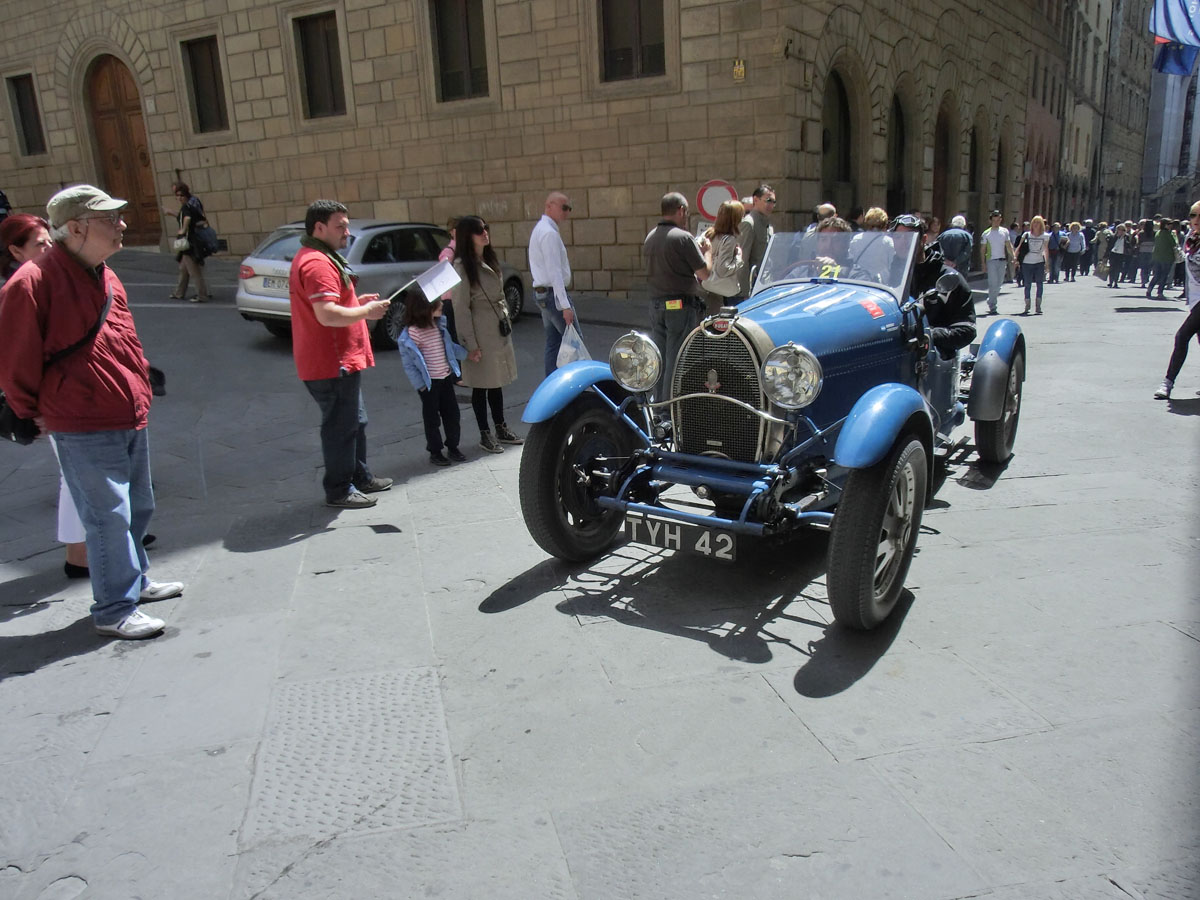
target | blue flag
x=1175, y=59
x=1177, y=21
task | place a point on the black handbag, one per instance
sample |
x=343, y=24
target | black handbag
x=24, y=431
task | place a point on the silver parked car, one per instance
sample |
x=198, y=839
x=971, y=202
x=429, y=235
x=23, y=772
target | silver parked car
x=385, y=255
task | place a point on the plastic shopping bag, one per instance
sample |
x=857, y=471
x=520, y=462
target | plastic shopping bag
x=572, y=348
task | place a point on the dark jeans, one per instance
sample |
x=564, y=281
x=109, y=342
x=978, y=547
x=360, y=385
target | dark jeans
x=1116, y=268
x=1071, y=264
x=553, y=324
x=1162, y=277
x=481, y=399
x=668, y=328
x=439, y=404
x=1031, y=274
x=343, y=432
x=1188, y=330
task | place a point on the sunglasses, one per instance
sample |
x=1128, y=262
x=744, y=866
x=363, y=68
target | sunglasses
x=907, y=222
x=769, y=200
x=113, y=218
x=484, y=229
x=566, y=207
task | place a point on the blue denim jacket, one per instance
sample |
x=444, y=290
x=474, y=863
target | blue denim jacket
x=414, y=362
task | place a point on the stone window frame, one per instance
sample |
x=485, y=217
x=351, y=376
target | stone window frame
x=591, y=48
x=288, y=13
x=177, y=37
x=21, y=159
x=434, y=107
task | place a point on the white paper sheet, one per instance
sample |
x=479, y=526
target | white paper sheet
x=438, y=279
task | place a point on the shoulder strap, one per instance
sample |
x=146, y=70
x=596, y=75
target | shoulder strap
x=92, y=332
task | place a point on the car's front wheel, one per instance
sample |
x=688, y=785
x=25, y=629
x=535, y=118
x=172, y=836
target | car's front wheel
x=558, y=499
x=875, y=533
x=995, y=440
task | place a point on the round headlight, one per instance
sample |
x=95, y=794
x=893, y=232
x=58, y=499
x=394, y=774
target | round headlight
x=635, y=362
x=792, y=376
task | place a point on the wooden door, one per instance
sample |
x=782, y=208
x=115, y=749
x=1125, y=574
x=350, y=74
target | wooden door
x=122, y=151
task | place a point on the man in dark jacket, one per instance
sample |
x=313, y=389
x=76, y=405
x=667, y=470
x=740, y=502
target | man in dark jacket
x=949, y=313
x=95, y=402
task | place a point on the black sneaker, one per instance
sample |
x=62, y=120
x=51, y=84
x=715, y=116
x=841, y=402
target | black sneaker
x=505, y=435
x=488, y=443
x=455, y=454
x=437, y=459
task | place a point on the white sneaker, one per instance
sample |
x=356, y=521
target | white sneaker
x=134, y=626
x=160, y=590
x=1164, y=391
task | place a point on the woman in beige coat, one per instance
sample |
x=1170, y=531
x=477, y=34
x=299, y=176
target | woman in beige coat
x=484, y=329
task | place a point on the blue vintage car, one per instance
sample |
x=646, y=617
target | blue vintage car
x=815, y=403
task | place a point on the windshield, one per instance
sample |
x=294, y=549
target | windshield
x=874, y=257
x=283, y=243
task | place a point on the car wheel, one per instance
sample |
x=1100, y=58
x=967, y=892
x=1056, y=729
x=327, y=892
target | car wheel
x=557, y=502
x=874, y=535
x=279, y=329
x=995, y=440
x=387, y=330
x=514, y=297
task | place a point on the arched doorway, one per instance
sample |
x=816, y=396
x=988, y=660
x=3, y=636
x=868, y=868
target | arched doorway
x=837, y=146
x=898, y=195
x=122, y=151
x=941, y=163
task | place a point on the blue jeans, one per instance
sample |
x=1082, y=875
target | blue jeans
x=668, y=328
x=553, y=323
x=1031, y=274
x=108, y=474
x=343, y=432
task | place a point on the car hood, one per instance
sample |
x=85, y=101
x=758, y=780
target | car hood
x=825, y=318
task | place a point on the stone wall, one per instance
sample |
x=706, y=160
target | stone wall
x=548, y=123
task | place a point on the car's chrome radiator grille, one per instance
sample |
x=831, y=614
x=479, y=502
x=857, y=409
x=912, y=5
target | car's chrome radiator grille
x=717, y=365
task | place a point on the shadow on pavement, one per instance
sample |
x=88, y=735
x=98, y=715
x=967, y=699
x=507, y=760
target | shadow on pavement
x=1137, y=309
x=26, y=653
x=272, y=529
x=748, y=620
x=1189, y=407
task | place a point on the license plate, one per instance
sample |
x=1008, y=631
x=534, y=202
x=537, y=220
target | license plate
x=711, y=542
x=275, y=284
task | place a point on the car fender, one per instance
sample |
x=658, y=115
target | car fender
x=562, y=386
x=989, y=378
x=880, y=416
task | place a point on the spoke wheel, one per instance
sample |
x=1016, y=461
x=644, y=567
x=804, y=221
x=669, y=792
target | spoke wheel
x=995, y=440
x=875, y=534
x=557, y=498
x=514, y=298
x=387, y=330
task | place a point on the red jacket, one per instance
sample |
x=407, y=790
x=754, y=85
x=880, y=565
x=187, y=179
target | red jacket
x=49, y=304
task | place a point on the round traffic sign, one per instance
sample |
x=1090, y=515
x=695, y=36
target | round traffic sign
x=710, y=197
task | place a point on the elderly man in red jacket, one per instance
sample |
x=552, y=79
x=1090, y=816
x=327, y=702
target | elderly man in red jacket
x=93, y=401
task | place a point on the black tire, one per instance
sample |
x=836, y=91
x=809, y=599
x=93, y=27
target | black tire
x=514, y=298
x=560, y=513
x=995, y=440
x=387, y=330
x=874, y=535
x=279, y=329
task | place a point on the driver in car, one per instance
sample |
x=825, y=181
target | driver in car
x=945, y=294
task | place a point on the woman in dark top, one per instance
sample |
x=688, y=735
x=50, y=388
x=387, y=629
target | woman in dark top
x=191, y=260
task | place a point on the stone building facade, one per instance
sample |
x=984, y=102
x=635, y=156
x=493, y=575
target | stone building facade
x=422, y=109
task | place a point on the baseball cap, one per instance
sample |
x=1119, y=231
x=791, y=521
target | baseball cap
x=78, y=200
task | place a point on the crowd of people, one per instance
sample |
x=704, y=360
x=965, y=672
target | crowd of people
x=62, y=306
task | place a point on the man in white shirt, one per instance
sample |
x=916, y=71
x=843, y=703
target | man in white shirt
x=997, y=247
x=551, y=274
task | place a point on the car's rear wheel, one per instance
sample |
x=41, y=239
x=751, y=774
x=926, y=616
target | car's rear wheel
x=387, y=330
x=279, y=329
x=557, y=497
x=875, y=533
x=514, y=297
x=995, y=440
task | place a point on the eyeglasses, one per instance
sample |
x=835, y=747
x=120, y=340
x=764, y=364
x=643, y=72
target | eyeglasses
x=566, y=207
x=1195, y=215
x=113, y=218
x=768, y=200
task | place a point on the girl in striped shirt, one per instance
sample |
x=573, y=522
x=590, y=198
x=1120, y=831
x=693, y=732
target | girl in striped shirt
x=430, y=360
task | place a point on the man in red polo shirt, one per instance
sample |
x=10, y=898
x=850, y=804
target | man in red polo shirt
x=332, y=346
